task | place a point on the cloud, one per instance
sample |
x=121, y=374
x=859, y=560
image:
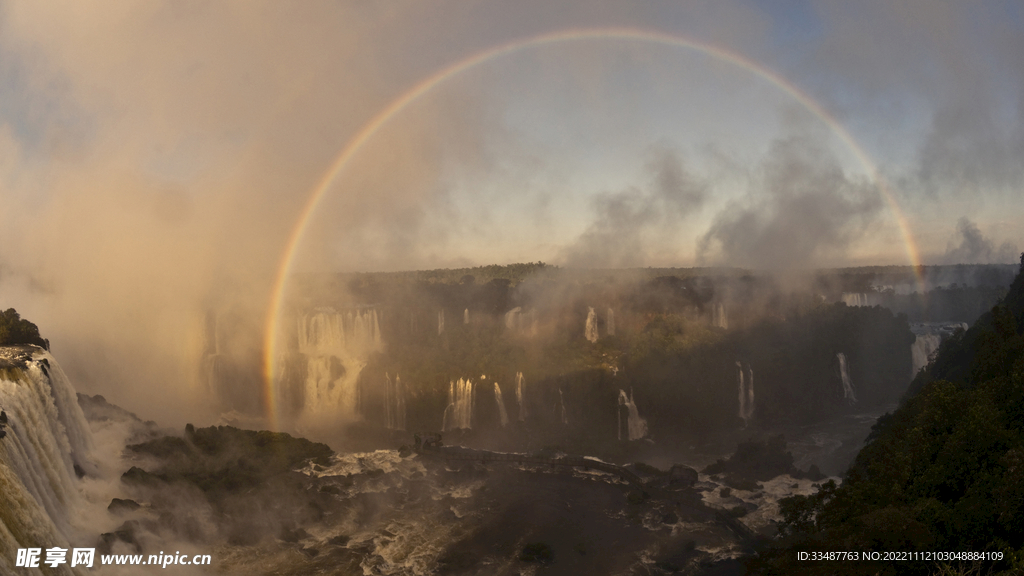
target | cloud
x=970, y=246
x=801, y=211
x=621, y=234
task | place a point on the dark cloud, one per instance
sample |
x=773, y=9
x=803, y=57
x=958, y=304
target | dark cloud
x=970, y=246
x=801, y=211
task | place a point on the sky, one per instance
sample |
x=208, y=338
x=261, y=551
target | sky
x=158, y=159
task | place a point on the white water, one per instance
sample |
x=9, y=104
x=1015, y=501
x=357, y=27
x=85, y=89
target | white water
x=394, y=403
x=720, y=319
x=922, y=349
x=328, y=338
x=440, y=322
x=561, y=405
x=590, y=332
x=501, y=405
x=46, y=435
x=611, y=322
x=519, y=396
x=856, y=299
x=513, y=318
x=465, y=316
x=848, y=393
x=461, y=399
x=746, y=394
x=636, y=426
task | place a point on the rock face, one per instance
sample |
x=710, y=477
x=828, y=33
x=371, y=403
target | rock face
x=682, y=476
x=758, y=461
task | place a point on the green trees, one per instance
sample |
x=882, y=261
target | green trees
x=15, y=330
x=945, y=472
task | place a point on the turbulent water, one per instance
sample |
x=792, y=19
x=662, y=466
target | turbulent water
x=461, y=401
x=513, y=318
x=636, y=427
x=519, y=396
x=746, y=393
x=590, y=330
x=394, y=403
x=563, y=415
x=719, y=319
x=501, y=405
x=336, y=347
x=848, y=393
x=857, y=299
x=922, y=349
x=47, y=436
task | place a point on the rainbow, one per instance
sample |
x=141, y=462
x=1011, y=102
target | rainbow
x=427, y=84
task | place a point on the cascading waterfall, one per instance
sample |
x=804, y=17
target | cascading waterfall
x=855, y=299
x=636, y=426
x=465, y=316
x=746, y=394
x=921, y=351
x=336, y=347
x=394, y=403
x=611, y=322
x=719, y=318
x=501, y=405
x=47, y=436
x=513, y=318
x=561, y=406
x=440, y=322
x=519, y=396
x=461, y=399
x=848, y=393
x=590, y=332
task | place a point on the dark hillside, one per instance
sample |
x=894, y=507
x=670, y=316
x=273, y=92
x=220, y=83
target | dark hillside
x=945, y=472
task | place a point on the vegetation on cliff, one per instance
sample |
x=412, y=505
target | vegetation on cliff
x=15, y=330
x=945, y=472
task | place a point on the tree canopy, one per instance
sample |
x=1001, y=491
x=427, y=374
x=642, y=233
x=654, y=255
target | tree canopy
x=15, y=330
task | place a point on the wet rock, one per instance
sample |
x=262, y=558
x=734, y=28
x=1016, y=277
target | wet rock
x=682, y=476
x=124, y=533
x=340, y=540
x=119, y=506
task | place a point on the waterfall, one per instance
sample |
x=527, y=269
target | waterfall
x=46, y=436
x=590, y=332
x=394, y=403
x=336, y=347
x=921, y=351
x=465, y=316
x=746, y=394
x=513, y=318
x=561, y=404
x=847, y=385
x=461, y=398
x=440, y=322
x=636, y=426
x=611, y=321
x=501, y=405
x=855, y=299
x=519, y=396
x=719, y=318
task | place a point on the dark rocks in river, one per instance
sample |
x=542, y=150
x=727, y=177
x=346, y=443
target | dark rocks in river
x=122, y=506
x=682, y=476
x=757, y=461
x=125, y=533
